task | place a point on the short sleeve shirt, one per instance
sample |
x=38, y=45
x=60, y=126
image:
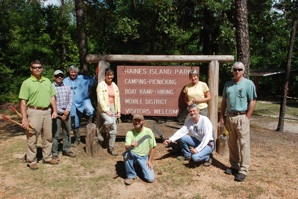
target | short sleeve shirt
x=197, y=91
x=239, y=94
x=37, y=92
x=144, y=148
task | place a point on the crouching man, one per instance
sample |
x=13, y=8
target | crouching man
x=142, y=141
x=200, y=145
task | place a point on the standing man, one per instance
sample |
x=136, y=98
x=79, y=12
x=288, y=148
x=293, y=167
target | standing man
x=36, y=95
x=200, y=146
x=64, y=102
x=80, y=85
x=142, y=152
x=238, y=102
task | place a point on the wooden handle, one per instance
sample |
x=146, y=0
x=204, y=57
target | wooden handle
x=7, y=118
x=15, y=110
x=19, y=114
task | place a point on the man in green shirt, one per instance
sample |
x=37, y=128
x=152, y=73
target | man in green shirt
x=38, y=106
x=142, y=152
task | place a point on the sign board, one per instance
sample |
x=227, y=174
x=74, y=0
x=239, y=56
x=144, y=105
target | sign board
x=152, y=90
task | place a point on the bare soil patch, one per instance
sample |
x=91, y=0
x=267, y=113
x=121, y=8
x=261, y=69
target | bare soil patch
x=273, y=172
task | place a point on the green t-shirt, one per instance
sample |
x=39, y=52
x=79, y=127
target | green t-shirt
x=144, y=148
x=37, y=92
x=239, y=94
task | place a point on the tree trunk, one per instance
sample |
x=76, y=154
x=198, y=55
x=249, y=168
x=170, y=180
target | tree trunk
x=242, y=34
x=280, y=126
x=81, y=35
x=63, y=47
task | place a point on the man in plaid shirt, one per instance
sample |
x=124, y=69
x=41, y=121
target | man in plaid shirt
x=63, y=101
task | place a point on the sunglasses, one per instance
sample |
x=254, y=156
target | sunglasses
x=36, y=67
x=237, y=69
x=59, y=75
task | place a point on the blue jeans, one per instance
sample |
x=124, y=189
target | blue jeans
x=76, y=115
x=203, y=155
x=133, y=158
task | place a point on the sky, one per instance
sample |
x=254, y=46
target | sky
x=55, y=2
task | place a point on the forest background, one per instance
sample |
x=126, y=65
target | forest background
x=29, y=30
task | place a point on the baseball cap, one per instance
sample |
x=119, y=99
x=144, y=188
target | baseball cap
x=140, y=117
x=57, y=72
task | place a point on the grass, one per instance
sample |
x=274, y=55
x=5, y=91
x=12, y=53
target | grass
x=272, y=108
x=88, y=177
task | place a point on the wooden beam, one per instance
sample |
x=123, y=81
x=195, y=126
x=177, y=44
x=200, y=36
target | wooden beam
x=94, y=58
x=213, y=82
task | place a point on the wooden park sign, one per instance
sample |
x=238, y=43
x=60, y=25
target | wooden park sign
x=152, y=90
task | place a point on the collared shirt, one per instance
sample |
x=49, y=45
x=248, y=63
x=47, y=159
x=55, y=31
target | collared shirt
x=37, y=92
x=80, y=89
x=239, y=94
x=63, y=97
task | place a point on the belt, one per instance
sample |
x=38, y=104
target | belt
x=38, y=108
x=237, y=113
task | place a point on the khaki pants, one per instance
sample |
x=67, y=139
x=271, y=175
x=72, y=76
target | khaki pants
x=42, y=121
x=239, y=142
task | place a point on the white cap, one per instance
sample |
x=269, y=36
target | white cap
x=57, y=72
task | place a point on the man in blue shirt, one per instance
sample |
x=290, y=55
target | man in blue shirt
x=80, y=85
x=238, y=102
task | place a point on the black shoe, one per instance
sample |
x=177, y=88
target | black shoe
x=231, y=171
x=240, y=177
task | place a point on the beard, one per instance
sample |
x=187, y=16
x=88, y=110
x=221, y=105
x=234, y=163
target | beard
x=138, y=127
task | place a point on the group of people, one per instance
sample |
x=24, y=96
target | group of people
x=50, y=107
x=63, y=102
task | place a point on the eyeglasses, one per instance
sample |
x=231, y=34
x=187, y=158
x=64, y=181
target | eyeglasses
x=59, y=75
x=36, y=67
x=237, y=69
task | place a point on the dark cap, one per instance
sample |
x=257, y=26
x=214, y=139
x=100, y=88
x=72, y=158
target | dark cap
x=140, y=117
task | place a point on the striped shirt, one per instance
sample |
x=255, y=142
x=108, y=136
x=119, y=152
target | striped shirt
x=63, y=97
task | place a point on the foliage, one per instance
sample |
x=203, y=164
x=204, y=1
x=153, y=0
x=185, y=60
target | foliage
x=30, y=31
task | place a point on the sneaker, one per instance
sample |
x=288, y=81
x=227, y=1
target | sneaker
x=231, y=171
x=208, y=162
x=33, y=166
x=129, y=181
x=112, y=151
x=240, y=177
x=52, y=161
x=182, y=158
x=56, y=157
x=69, y=154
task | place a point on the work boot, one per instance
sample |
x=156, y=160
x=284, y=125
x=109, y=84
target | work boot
x=112, y=151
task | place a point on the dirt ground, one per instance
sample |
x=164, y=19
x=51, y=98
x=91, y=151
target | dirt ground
x=273, y=171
